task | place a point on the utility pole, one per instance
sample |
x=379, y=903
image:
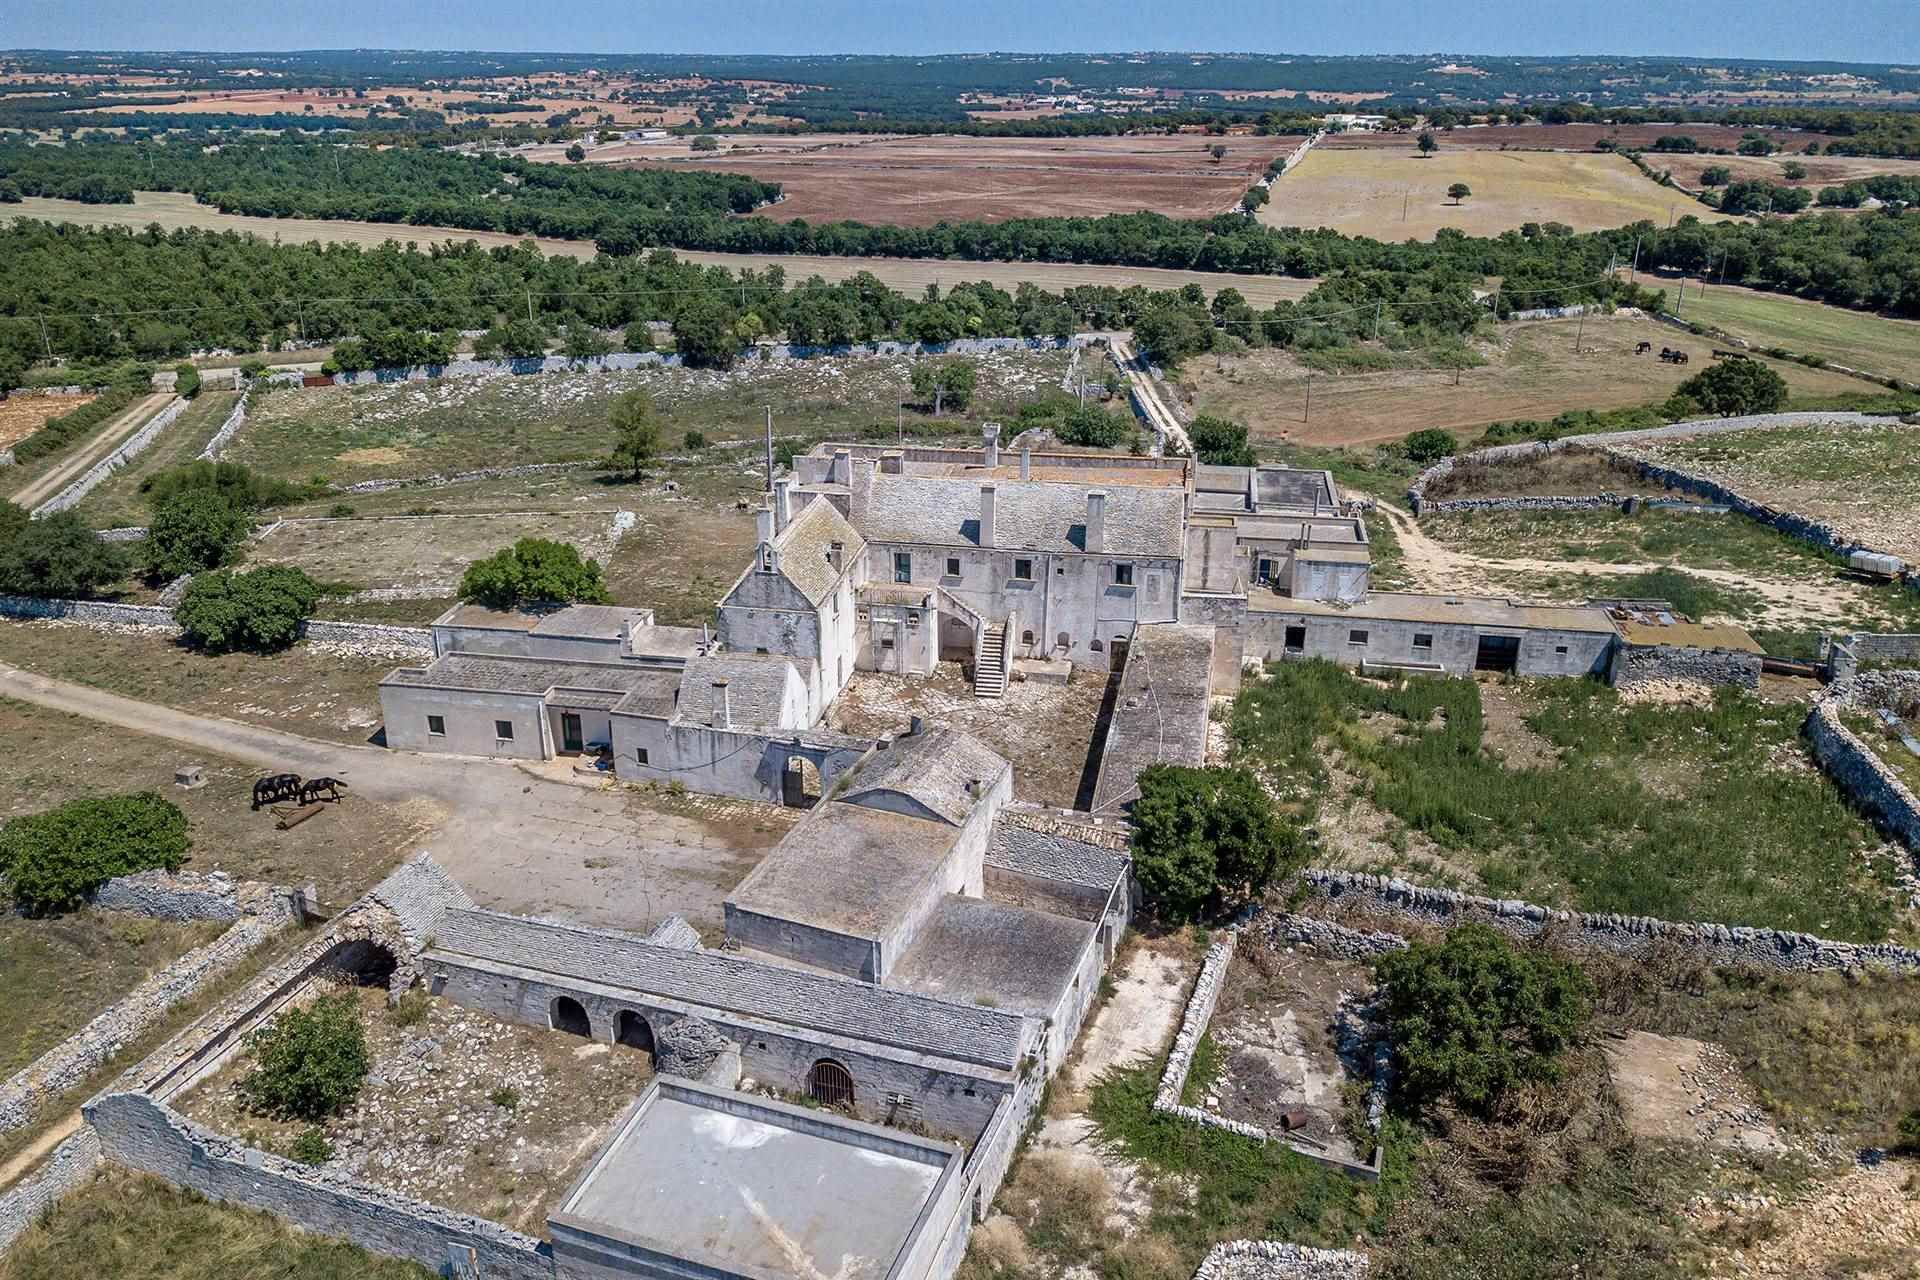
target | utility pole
x=1634, y=274
x=44, y=338
x=1580, y=330
x=1669, y=217
x=1682, y=298
x=1406, y=194
x=900, y=419
x=1376, y=319
x=1308, y=411
x=769, y=488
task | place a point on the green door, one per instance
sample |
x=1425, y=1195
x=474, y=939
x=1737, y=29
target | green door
x=571, y=738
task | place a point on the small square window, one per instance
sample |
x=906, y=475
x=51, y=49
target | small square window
x=436, y=726
x=503, y=730
x=1560, y=648
x=1423, y=639
x=886, y=642
x=1122, y=575
x=1356, y=636
x=640, y=753
x=902, y=566
x=953, y=566
x=1023, y=571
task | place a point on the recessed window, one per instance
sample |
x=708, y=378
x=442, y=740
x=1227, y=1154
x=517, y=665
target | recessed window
x=503, y=730
x=1356, y=636
x=1026, y=637
x=886, y=642
x=1423, y=639
x=436, y=726
x=1559, y=648
x=640, y=753
x=953, y=566
x=1023, y=571
x=902, y=566
x=913, y=620
x=1122, y=575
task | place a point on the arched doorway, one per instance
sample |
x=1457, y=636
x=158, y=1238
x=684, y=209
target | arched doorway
x=570, y=1016
x=633, y=1030
x=800, y=783
x=830, y=1084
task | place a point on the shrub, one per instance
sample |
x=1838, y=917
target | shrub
x=310, y=1062
x=1429, y=446
x=59, y=432
x=1204, y=838
x=696, y=440
x=534, y=570
x=55, y=558
x=311, y=1147
x=506, y=1097
x=340, y=511
x=1219, y=442
x=240, y=484
x=259, y=609
x=1736, y=386
x=1092, y=427
x=637, y=337
x=195, y=530
x=53, y=860
x=1472, y=1015
x=186, y=381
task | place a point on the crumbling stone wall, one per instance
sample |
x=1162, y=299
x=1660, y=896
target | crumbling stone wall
x=1274, y=1260
x=188, y=895
x=140, y=1133
x=107, y=613
x=1654, y=663
x=68, y=1166
x=1847, y=653
x=1855, y=766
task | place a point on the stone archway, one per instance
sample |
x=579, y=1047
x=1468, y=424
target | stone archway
x=570, y=1016
x=830, y=1084
x=632, y=1029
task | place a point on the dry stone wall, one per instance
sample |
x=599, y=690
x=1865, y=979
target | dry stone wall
x=188, y=895
x=1855, y=766
x=375, y=636
x=1274, y=1260
x=140, y=1133
x=1658, y=663
x=68, y=1166
x=1846, y=653
x=228, y=429
x=119, y=458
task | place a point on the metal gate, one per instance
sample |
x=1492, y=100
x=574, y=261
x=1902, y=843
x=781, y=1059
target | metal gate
x=830, y=1084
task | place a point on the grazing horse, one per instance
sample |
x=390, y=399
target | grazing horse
x=278, y=786
x=315, y=786
x=1643, y=348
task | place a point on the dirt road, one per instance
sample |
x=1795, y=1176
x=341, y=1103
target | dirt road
x=105, y=441
x=1147, y=394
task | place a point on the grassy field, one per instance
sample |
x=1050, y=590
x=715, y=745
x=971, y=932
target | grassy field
x=1579, y=800
x=1863, y=481
x=424, y=554
x=59, y=757
x=910, y=275
x=117, y=501
x=133, y=1227
x=1857, y=339
x=1393, y=194
x=58, y=972
x=1531, y=371
x=350, y=434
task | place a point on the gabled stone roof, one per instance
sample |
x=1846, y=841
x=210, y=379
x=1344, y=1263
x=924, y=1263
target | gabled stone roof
x=1054, y=855
x=1030, y=516
x=734, y=984
x=756, y=687
x=805, y=543
x=420, y=893
x=933, y=768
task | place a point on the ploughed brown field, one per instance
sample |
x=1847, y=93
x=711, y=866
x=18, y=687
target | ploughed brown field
x=1581, y=137
x=921, y=181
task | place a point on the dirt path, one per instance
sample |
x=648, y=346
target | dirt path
x=1435, y=567
x=105, y=441
x=1147, y=393
x=28, y=1156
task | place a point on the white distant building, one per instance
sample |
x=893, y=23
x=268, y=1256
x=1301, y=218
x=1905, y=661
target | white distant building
x=1364, y=124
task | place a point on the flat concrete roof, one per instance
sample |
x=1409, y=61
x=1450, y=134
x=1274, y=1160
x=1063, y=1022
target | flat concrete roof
x=1479, y=611
x=479, y=615
x=1692, y=635
x=846, y=868
x=490, y=673
x=757, y=1188
x=1008, y=957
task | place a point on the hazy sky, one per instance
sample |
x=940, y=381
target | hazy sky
x=1840, y=30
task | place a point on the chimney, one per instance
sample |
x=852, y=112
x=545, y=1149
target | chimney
x=722, y=704
x=1026, y=463
x=859, y=491
x=782, y=502
x=986, y=515
x=893, y=462
x=842, y=472
x=763, y=525
x=990, y=441
x=1096, y=521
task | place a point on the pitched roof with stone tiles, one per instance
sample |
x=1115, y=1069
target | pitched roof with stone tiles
x=756, y=687
x=847, y=868
x=1027, y=516
x=1055, y=855
x=933, y=768
x=734, y=984
x=805, y=544
x=487, y=673
x=419, y=892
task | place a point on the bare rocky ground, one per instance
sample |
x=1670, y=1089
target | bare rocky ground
x=460, y=1110
x=1046, y=730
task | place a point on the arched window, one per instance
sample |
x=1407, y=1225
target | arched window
x=570, y=1016
x=633, y=1030
x=830, y=1083
x=1026, y=637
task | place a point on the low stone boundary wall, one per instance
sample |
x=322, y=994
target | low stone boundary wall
x=228, y=429
x=1275, y=1260
x=1846, y=653
x=188, y=895
x=1193, y=1025
x=1390, y=898
x=1643, y=664
x=84, y=1052
x=406, y=640
x=1855, y=766
x=119, y=458
x=66, y=1167
x=140, y=1133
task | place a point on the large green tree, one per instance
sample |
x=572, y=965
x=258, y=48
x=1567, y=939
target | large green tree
x=1220, y=443
x=259, y=609
x=196, y=529
x=706, y=333
x=1736, y=386
x=534, y=571
x=51, y=861
x=59, y=557
x=1207, y=838
x=1472, y=1015
x=636, y=432
x=309, y=1061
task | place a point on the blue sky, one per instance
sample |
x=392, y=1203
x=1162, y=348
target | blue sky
x=1840, y=30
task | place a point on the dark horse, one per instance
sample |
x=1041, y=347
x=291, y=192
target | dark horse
x=332, y=787
x=278, y=786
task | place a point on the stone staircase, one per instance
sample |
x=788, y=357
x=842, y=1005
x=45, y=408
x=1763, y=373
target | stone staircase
x=990, y=673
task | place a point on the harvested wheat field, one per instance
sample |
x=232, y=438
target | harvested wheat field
x=22, y=414
x=173, y=210
x=1393, y=194
x=1579, y=137
x=1531, y=372
x=920, y=181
